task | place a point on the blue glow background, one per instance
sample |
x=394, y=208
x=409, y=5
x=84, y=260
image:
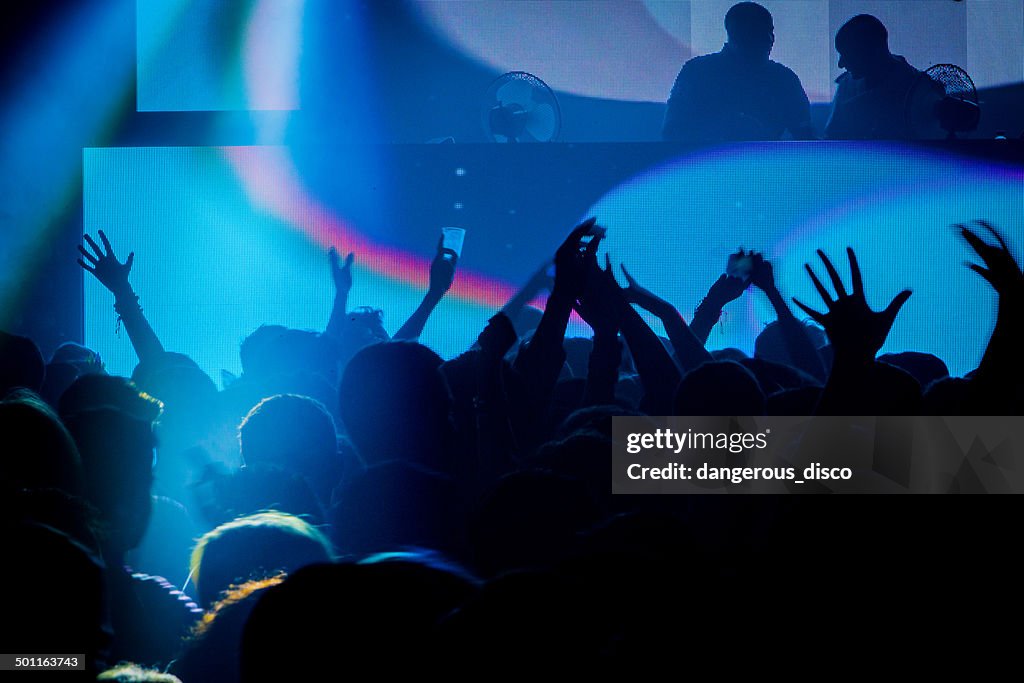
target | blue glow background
x=674, y=225
x=210, y=266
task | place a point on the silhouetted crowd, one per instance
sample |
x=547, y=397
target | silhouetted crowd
x=355, y=504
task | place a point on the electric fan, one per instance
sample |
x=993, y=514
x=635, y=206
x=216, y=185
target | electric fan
x=941, y=103
x=519, y=107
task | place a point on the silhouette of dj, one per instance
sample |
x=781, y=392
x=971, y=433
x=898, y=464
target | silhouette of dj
x=870, y=102
x=739, y=93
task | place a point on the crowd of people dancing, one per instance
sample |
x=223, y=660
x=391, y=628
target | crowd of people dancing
x=354, y=496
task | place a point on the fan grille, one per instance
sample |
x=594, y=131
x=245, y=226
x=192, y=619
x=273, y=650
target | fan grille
x=954, y=80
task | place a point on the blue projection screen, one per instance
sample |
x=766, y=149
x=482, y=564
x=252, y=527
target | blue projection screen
x=228, y=238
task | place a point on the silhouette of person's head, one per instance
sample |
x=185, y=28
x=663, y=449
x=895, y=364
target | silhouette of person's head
x=68, y=362
x=362, y=327
x=751, y=29
x=210, y=654
x=396, y=504
x=395, y=404
x=49, y=573
x=295, y=433
x=527, y=319
x=257, y=350
x=117, y=461
x=253, y=548
x=38, y=452
x=863, y=46
x=775, y=377
x=770, y=344
x=719, y=388
x=380, y=615
x=83, y=358
x=224, y=496
x=90, y=392
x=274, y=349
x=21, y=364
x=925, y=367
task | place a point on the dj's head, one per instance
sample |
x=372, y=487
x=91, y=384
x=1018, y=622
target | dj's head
x=751, y=29
x=863, y=45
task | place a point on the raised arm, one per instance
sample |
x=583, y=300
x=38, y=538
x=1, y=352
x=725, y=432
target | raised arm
x=996, y=387
x=496, y=439
x=856, y=333
x=724, y=290
x=599, y=308
x=442, y=274
x=538, y=282
x=658, y=373
x=801, y=349
x=113, y=275
x=540, y=360
x=341, y=274
x=690, y=352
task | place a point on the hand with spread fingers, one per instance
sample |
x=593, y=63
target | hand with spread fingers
x=103, y=264
x=998, y=384
x=1000, y=269
x=856, y=332
x=112, y=274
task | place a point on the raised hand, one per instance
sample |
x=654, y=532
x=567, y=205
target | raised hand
x=802, y=353
x=113, y=275
x=103, y=264
x=442, y=274
x=641, y=296
x=341, y=273
x=689, y=350
x=996, y=386
x=762, y=275
x=442, y=270
x=571, y=260
x=600, y=305
x=1000, y=270
x=725, y=290
x=856, y=332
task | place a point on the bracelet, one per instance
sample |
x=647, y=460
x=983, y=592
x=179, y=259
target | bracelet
x=126, y=304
